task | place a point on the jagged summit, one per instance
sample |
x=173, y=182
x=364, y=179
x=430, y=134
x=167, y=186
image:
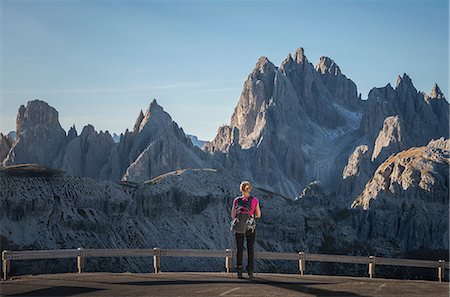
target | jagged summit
x=300, y=56
x=264, y=65
x=327, y=65
x=405, y=83
x=436, y=92
x=138, y=122
x=88, y=129
x=156, y=115
x=72, y=133
x=39, y=135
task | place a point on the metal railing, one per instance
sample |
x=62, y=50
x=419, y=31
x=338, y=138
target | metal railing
x=81, y=254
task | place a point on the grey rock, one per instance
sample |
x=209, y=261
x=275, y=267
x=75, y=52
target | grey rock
x=39, y=135
x=190, y=209
x=390, y=140
x=86, y=154
x=338, y=85
x=440, y=143
x=397, y=119
x=116, y=138
x=248, y=115
x=313, y=190
x=356, y=173
x=290, y=127
x=155, y=146
x=406, y=200
x=5, y=146
x=423, y=168
x=223, y=140
x=357, y=162
x=197, y=142
x=423, y=118
x=11, y=135
x=312, y=94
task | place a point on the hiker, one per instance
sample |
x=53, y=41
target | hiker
x=244, y=212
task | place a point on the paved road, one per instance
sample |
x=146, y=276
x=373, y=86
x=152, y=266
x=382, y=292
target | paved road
x=213, y=284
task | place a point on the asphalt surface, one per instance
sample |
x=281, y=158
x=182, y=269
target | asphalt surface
x=213, y=284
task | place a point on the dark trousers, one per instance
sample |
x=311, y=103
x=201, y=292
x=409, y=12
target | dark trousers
x=250, y=249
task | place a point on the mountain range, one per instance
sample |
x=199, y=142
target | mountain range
x=335, y=173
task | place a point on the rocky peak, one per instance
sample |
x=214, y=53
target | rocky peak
x=86, y=154
x=299, y=61
x=421, y=170
x=405, y=84
x=299, y=56
x=155, y=115
x=87, y=130
x=138, y=122
x=380, y=94
x=341, y=89
x=440, y=143
x=249, y=113
x=436, y=92
x=263, y=65
x=40, y=136
x=37, y=113
x=358, y=162
x=390, y=140
x=72, y=133
x=327, y=65
x=380, y=104
x=222, y=141
x=286, y=62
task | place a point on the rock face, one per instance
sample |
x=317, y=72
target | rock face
x=11, y=135
x=404, y=191
x=291, y=121
x=39, y=135
x=183, y=209
x=5, y=146
x=196, y=142
x=394, y=120
x=421, y=118
x=340, y=87
x=116, y=138
x=423, y=168
x=155, y=146
x=86, y=154
x=391, y=139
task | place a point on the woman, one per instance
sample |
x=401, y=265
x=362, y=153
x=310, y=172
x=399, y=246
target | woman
x=245, y=207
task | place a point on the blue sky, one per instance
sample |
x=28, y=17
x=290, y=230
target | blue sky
x=101, y=62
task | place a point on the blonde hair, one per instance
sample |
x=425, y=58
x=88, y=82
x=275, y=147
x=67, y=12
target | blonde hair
x=245, y=186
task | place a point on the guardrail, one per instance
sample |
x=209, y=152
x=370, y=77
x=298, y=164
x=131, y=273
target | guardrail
x=81, y=254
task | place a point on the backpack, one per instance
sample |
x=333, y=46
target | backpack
x=243, y=221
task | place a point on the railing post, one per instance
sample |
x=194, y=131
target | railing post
x=441, y=270
x=371, y=266
x=229, y=260
x=157, y=260
x=302, y=262
x=80, y=261
x=6, y=263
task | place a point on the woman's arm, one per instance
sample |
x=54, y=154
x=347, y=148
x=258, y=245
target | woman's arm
x=257, y=211
x=233, y=212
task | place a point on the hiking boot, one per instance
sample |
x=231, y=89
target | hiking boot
x=239, y=272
